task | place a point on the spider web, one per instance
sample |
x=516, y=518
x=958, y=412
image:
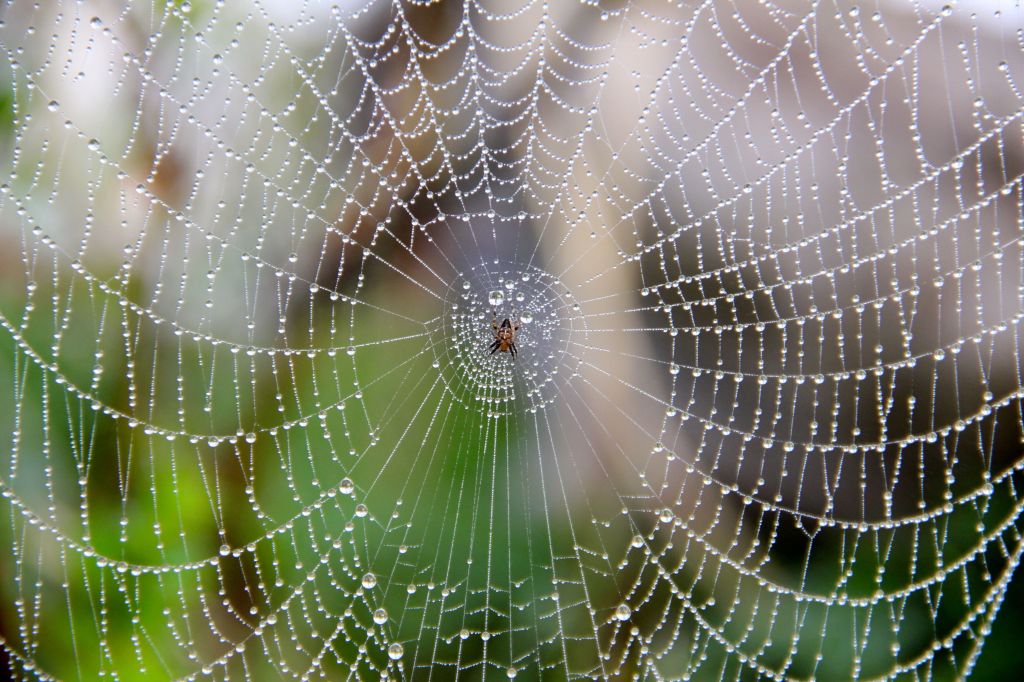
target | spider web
x=765, y=419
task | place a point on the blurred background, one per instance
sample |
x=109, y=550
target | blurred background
x=764, y=259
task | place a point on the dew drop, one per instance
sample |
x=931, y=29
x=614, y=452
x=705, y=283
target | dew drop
x=53, y=105
x=380, y=616
x=395, y=651
x=347, y=486
x=623, y=612
x=369, y=581
x=526, y=318
x=496, y=298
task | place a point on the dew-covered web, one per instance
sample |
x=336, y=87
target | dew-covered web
x=765, y=416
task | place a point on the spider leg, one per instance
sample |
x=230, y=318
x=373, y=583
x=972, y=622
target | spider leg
x=494, y=347
x=512, y=348
x=494, y=322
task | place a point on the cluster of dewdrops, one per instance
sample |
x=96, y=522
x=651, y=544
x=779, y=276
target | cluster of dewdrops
x=786, y=338
x=546, y=319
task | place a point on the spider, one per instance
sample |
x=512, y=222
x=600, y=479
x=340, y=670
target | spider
x=504, y=336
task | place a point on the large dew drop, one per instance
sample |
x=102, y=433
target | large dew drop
x=496, y=298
